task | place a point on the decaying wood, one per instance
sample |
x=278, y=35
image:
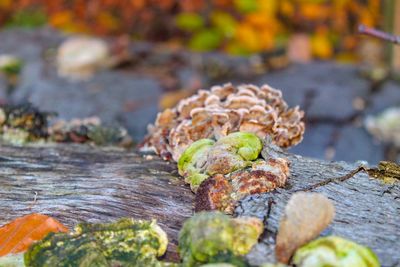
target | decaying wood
x=367, y=210
x=74, y=183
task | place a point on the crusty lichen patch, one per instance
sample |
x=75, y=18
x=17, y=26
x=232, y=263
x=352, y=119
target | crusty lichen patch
x=387, y=171
x=24, y=123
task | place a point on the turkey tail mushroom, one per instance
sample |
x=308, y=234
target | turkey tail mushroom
x=222, y=110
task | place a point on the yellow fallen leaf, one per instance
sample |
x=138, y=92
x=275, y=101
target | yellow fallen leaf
x=249, y=38
x=321, y=46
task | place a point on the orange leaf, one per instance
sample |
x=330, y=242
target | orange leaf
x=19, y=234
x=61, y=18
x=313, y=11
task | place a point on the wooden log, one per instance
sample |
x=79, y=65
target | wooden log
x=367, y=210
x=76, y=183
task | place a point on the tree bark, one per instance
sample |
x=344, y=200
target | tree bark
x=76, y=183
x=367, y=209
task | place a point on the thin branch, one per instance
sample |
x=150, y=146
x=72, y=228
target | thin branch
x=334, y=180
x=378, y=34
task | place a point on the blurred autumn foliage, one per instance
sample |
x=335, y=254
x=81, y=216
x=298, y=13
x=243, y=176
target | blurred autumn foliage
x=234, y=26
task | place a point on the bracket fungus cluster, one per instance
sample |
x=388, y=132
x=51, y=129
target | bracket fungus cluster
x=385, y=126
x=126, y=242
x=24, y=123
x=89, y=130
x=223, y=110
x=79, y=57
x=298, y=242
x=206, y=158
x=10, y=64
x=205, y=239
x=213, y=237
x=334, y=251
x=216, y=138
x=225, y=171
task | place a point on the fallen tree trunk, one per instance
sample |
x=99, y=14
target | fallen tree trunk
x=76, y=183
x=367, y=210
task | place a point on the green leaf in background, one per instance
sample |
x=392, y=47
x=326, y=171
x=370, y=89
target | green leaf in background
x=27, y=18
x=189, y=21
x=281, y=39
x=246, y=5
x=206, y=40
x=224, y=22
x=237, y=49
x=10, y=64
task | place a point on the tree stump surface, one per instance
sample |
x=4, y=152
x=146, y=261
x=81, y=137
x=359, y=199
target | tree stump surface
x=75, y=183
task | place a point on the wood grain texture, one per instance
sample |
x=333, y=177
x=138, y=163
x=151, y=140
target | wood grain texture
x=78, y=183
x=367, y=210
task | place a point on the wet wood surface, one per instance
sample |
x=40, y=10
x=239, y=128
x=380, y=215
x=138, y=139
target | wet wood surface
x=76, y=183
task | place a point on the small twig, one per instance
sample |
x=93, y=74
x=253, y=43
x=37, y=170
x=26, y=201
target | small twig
x=334, y=180
x=378, y=34
x=386, y=171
